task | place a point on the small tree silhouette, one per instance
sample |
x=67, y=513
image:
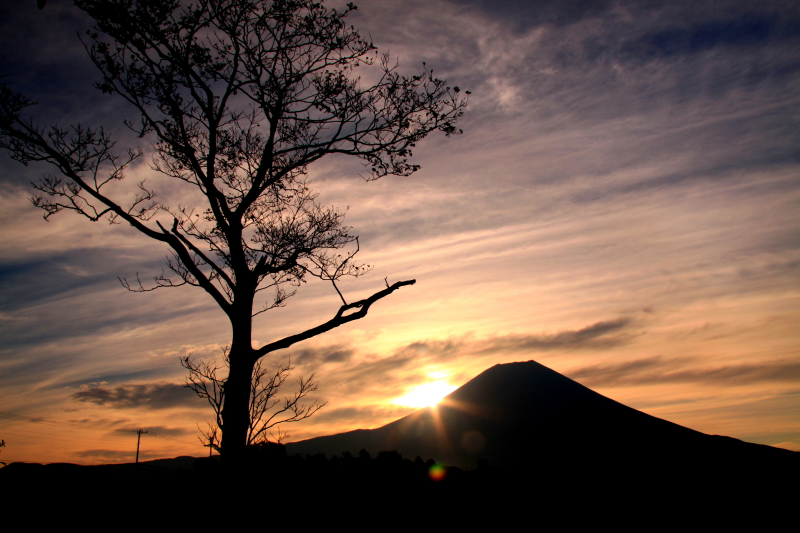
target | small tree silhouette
x=267, y=411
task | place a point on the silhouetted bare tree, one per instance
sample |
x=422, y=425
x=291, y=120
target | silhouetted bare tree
x=239, y=97
x=267, y=410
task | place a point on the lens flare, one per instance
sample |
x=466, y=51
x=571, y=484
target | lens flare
x=437, y=472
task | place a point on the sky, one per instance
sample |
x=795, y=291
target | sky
x=623, y=207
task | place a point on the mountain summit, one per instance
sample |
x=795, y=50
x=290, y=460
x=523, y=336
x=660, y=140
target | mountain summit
x=528, y=416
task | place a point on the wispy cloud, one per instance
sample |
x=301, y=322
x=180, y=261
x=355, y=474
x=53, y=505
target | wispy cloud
x=140, y=396
x=353, y=415
x=375, y=371
x=660, y=370
x=115, y=456
x=328, y=354
x=156, y=431
x=601, y=335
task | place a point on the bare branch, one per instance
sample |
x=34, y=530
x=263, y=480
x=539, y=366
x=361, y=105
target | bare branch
x=340, y=318
x=263, y=391
x=210, y=437
x=161, y=282
x=266, y=411
x=203, y=380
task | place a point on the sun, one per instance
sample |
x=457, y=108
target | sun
x=425, y=395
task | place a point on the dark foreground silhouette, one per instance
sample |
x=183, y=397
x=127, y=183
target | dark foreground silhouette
x=389, y=491
x=522, y=442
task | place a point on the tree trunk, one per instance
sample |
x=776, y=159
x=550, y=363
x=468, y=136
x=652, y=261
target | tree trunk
x=236, y=409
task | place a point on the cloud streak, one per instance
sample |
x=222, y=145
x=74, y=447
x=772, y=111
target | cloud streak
x=155, y=431
x=140, y=396
x=659, y=370
x=599, y=336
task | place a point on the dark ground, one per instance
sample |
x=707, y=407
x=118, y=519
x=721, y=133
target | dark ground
x=388, y=491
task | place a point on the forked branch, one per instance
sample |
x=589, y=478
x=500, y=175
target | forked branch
x=362, y=307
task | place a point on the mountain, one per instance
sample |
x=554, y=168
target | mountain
x=525, y=415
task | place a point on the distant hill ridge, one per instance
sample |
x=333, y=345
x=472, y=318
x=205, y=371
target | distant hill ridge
x=527, y=415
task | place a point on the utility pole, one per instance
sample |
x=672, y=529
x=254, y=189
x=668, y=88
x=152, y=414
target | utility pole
x=138, y=440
